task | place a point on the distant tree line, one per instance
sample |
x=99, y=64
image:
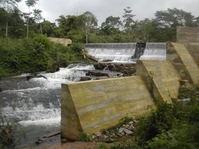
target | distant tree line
x=85, y=28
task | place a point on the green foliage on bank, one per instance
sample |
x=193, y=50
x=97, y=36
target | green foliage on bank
x=171, y=126
x=35, y=54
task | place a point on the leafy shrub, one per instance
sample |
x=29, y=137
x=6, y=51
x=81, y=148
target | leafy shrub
x=36, y=54
x=184, y=137
x=156, y=123
x=84, y=137
x=187, y=112
x=191, y=92
x=127, y=145
x=7, y=139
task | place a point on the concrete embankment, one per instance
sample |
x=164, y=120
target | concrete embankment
x=95, y=105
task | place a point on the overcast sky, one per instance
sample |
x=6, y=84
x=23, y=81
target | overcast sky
x=52, y=9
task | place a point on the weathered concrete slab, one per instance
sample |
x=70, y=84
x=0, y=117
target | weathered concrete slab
x=94, y=105
x=187, y=34
x=161, y=79
x=193, y=49
x=189, y=64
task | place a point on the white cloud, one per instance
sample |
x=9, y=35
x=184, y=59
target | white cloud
x=52, y=9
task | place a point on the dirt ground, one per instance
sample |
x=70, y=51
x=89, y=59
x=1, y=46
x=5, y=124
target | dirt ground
x=74, y=145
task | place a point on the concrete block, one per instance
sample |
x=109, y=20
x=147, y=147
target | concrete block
x=187, y=34
x=193, y=49
x=161, y=79
x=94, y=105
x=186, y=59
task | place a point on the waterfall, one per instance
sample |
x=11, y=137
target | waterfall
x=37, y=98
x=35, y=103
x=154, y=51
x=126, y=52
x=114, y=52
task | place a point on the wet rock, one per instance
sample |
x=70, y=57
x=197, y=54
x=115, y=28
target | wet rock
x=86, y=78
x=100, y=78
x=126, y=69
x=46, y=137
x=107, y=61
x=97, y=73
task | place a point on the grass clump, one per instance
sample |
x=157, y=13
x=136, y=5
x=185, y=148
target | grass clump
x=7, y=137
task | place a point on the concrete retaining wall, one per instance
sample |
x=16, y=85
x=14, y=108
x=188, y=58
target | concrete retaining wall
x=193, y=49
x=161, y=79
x=189, y=66
x=94, y=105
x=187, y=34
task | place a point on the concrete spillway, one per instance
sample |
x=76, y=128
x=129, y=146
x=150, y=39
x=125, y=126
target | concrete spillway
x=126, y=52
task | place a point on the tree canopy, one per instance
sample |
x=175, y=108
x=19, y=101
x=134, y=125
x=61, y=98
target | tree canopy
x=86, y=28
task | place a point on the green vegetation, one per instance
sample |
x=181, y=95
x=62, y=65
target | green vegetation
x=24, y=48
x=84, y=137
x=35, y=54
x=173, y=126
x=7, y=139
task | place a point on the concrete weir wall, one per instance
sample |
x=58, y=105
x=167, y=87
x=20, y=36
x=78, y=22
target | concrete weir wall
x=187, y=34
x=161, y=79
x=189, y=37
x=188, y=65
x=94, y=105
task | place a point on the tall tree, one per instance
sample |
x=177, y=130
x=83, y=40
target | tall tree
x=111, y=25
x=168, y=20
x=90, y=22
x=37, y=18
x=129, y=22
x=174, y=17
x=128, y=18
x=29, y=3
x=8, y=5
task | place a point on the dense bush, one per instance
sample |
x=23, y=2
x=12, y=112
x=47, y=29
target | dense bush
x=35, y=54
x=183, y=137
x=157, y=122
x=7, y=139
x=173, y=126
x=127, y=145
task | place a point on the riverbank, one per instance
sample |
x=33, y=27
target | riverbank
x=169, y=126
x=35, y=55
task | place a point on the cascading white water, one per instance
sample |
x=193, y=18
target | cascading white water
x=114, y=52
x=26, y=103
x=154, y=51
x=126, y=52
x=35, y=103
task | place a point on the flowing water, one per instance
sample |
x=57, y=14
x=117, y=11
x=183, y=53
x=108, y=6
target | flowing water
x=114, y=52
x=126, y=52
x=35, y=103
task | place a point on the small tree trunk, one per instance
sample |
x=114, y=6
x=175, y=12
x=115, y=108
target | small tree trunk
x=6, y=29
x=27, y=31
x=41, y=29
x=86, y=36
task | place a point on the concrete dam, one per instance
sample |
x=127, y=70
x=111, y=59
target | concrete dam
x=126, y=52
x=161, y=68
